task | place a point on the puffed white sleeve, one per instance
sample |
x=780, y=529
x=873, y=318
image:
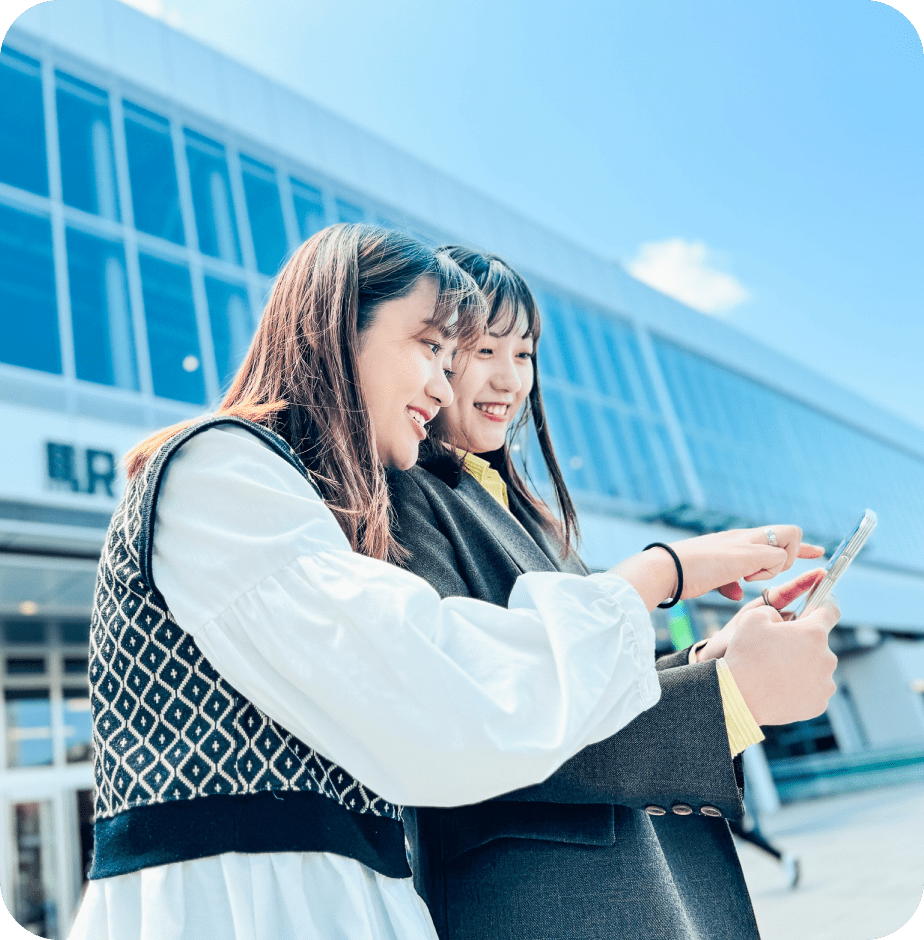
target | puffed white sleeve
x=428, y=702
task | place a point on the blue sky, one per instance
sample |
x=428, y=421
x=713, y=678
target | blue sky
x=762, y=161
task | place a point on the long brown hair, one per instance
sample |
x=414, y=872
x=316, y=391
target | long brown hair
x=300, y=376
x=512, y=306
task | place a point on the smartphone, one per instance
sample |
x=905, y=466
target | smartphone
x=840, y=560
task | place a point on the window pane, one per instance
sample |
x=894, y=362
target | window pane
x=21, y=665
x=557, y=325
x=152, y=172
x=671, y=460
x=598, y=356
x=546, y=355
x=642, y=370
x=653, y=488
x=800, y=738
x=28, y=728
x=347, y=212
x=25, y=632
x=85, y=136
x=232, y=326
x=75, y=631
x=616, y=433
x=104, y=341
x=176, y=361
x=211, y=192
x=611, y=344
x=28, y=307
x=78, y=726
x=33, y=869
x=265, y=212
x=309, y=208
x=22, y=123
x=569, y=455
x=602, y=467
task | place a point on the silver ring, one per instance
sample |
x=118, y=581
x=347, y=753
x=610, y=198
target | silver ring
x=771, y=538
x=765, y=594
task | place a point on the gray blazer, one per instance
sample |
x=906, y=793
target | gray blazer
x=580, y=856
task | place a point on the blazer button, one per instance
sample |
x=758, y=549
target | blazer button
x=655, y=810
x=710, y=811
x=681, y=809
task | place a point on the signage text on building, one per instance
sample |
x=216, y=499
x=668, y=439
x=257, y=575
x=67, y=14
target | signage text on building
x=80, y=469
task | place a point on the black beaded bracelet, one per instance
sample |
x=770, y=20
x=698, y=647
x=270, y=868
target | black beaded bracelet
x=673, y=554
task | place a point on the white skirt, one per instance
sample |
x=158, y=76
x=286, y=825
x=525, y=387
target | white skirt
x=278, y=896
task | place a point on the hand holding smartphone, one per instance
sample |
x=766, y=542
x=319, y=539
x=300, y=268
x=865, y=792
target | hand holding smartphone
x=840, y=560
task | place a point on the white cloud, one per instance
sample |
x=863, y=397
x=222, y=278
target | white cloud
x=682, y=269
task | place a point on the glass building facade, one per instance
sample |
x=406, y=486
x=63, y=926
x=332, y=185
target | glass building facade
x=169, y=238
x=138, y=242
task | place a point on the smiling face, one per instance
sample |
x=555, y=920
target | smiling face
x=403, y=366
x=489, y=392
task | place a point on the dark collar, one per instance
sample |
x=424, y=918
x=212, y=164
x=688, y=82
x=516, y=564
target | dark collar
x=443, y=465
x=530, y=547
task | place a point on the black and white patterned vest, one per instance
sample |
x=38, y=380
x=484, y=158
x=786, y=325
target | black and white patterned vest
x=186, y=766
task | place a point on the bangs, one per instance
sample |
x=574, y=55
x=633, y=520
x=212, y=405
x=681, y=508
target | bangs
x=508, y=317
x=512, y=305
x=461, y=311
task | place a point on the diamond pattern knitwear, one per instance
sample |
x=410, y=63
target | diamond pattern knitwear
x=167, y=729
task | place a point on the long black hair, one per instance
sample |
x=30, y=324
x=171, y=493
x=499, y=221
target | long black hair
x=512, y=306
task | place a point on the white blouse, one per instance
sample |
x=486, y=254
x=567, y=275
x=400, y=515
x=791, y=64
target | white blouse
x=427, y=702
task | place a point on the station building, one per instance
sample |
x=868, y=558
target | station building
x=149, y=190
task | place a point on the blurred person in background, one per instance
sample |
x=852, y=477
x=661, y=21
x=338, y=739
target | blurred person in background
x=629, y=838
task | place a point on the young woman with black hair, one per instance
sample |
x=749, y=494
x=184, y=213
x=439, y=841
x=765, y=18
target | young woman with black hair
x=628, y=838
x=266, y=690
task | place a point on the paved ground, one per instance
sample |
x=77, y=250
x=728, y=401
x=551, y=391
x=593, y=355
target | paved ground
x=862, y=859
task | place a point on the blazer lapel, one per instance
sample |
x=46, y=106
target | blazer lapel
x=571, y=565
x=503, y=526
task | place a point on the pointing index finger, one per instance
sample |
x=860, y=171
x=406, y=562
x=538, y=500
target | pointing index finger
x=807, y=550
x=787, y=593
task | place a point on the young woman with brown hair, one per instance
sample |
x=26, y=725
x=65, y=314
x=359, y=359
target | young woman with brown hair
x=266, y=690
x=627, y=839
